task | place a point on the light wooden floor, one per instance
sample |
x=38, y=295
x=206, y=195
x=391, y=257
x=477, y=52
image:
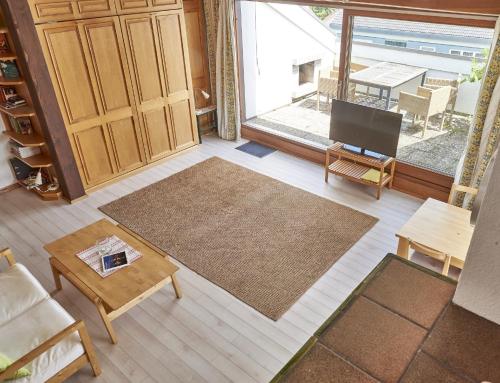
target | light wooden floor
x=208, y=335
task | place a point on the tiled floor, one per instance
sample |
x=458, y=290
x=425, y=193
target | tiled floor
x=400, y=326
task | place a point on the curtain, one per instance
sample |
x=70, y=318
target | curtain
x=485, y=129
x=223, y=63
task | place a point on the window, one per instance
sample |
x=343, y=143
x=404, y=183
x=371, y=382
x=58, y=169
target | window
x=396, y=43
x=479, y=55
x=427, y=49
x=291, y=64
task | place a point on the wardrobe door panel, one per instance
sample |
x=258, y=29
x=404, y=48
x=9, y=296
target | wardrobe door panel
x=158, y=140
x=88, y=66
x=142, y=53
x=93, y=8
x=130, y=6
x=175, y=59
x=70, y=73
x=44, y=11
x=159, y=5
x=148, y=82
x=93, y=155
x=182, y=123
x=105, y=53
x=126, y=143
x=174, y=52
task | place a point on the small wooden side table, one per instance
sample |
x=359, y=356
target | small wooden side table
x=120, y=291
x=443, y=228
x=353, y=166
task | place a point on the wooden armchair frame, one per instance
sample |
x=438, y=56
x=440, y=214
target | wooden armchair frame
x=88, y=356
x=461, y=188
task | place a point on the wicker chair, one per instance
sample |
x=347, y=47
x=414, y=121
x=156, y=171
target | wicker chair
x=436, y=83
x=328, y=83
x=426, y=103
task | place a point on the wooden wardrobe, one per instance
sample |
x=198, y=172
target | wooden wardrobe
x=121, y=72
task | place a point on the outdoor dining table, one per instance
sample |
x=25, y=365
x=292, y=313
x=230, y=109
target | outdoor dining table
x=386, y=76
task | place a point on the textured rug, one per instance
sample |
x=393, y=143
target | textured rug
x=260, y=239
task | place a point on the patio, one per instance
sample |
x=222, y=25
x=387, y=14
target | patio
x=438, y=150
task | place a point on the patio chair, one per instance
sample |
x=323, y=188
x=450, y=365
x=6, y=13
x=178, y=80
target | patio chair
x=436, y=83
x=328, y=84
x=426, y=103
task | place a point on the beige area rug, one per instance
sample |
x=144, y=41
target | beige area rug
x=260, y=239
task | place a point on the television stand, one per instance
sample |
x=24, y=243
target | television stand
x=353, y=166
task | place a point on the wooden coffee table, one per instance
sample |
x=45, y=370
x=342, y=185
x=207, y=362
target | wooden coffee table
x=119, y=292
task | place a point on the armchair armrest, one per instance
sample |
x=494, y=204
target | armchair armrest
x=413, y=103
x=7, y=253
x=461, y=188
x=51, y=342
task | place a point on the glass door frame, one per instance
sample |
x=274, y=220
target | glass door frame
x=410, y=179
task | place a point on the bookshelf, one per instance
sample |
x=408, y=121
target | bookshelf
x=22, y=126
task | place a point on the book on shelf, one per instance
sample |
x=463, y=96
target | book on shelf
x=21, y=170
x=24, y=125
x=23, y=151
x=4, y=43
x=14, y=102
x=7, y=92
x=9, y=69
x=21, y=125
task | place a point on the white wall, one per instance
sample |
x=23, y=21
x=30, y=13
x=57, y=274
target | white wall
x=479, y=285
x=6, y=176
x=273, y=37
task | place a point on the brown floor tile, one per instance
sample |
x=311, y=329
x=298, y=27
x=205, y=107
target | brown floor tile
x=410, y=292
x=320, y=365
x=424, y=369
x=467, y=343
x=375, y=339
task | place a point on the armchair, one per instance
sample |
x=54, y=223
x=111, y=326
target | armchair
x=37, y=332
x=426, y=103
x=436, y=83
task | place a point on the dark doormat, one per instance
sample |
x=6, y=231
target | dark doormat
x=256, y=149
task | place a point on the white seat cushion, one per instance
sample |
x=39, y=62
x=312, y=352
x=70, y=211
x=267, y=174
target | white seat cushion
x=28, y=330
x=19, y=290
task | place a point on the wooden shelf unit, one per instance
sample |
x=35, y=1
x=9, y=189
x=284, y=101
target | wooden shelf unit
x=20, y=111
x=9, y=82
x=353, y=166
x=36, y=162
x=35, y=139
x=29, y=140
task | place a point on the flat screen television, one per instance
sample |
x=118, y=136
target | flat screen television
x=367, y=128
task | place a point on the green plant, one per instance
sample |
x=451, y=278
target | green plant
x=322, y=12
x=478, y=68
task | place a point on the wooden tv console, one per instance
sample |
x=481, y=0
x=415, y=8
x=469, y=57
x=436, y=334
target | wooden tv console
x=353, y=166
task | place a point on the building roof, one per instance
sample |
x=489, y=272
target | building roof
x=415, y=27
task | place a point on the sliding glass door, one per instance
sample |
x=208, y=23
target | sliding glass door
x=289, y=56
x=295, y=59
x=429, y=72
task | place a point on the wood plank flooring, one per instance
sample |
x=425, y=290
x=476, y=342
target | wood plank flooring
x=208, y=335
